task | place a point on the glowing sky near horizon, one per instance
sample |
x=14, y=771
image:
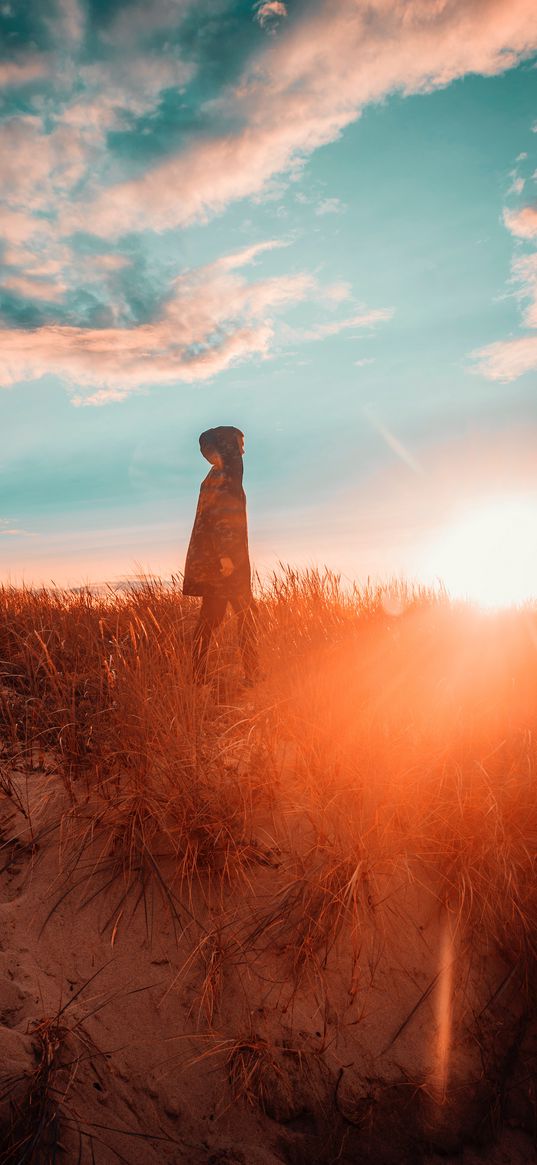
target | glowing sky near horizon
x=314, y=220
x=488, y=554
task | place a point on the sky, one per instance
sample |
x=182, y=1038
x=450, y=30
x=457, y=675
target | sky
x=315, y=220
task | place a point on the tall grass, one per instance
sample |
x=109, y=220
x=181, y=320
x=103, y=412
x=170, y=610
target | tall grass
x=390, y=752
x=394, y=736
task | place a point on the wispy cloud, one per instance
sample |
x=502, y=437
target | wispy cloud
x=8, y=529
x=213, y=318
x=72, y=20
x=59, y=145
x=330, y=206
x=506, y=360
x=362, y=321
x=248, y=254
x=305, y=88
x=36, y=288
x=17, y=73
x=517, y=184
x=522, y=223
x=524, y=274
x=106, y=78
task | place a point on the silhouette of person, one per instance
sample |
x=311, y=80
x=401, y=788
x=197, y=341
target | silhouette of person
x=217, y=563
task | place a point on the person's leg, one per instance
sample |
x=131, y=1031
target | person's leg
x=211, y=614
x=245, y=610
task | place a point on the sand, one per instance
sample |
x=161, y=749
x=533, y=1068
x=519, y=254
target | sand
x=139, y=1027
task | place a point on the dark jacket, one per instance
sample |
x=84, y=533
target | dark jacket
x=220, y=526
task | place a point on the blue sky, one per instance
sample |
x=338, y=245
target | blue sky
x=314, y=221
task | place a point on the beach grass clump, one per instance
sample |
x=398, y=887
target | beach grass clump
x=394, y=738
x=380, y=782
x=149, y=764
x=414, y=757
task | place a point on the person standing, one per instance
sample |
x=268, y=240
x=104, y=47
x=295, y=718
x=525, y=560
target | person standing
x=217, y=565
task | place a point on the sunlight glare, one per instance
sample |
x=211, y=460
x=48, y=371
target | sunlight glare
x=490, y=554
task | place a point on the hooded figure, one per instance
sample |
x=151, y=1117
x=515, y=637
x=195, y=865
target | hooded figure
x=220, y=530
x=217, y=563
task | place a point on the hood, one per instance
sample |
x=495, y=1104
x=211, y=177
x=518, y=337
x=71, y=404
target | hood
x=225, y=440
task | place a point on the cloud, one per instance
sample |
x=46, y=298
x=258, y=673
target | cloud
x=82, y=157
x=27, y=162
x=60, y=144
x=16, y=226
x=33, y=261
x=45, y=159
x=517, y=184
x=507, y=359
x=210, y=174
x=107, y=262
x=22, y=72
x=213, y=319
x=38, y=171
x=33, y=288
x=137, y=22
x=304, y=88
x=39, y=167
x=337, y=292
x=330, y=206
x=9, y=529
x=131, y=83
x=522, y=223
x=248, y=254
x=72, y=20
x=524, y=275
x=362, y=320
x=270, y=12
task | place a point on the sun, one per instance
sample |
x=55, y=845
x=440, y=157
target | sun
x=489, y=554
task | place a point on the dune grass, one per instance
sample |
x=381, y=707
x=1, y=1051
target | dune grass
x=393, y=742
x=393, y=725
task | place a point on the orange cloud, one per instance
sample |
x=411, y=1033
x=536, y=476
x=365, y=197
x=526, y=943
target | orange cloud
x=33, y=288
x=213, y=319
x=522, y=223
x=306, y=87
x=23, y=71
x=16, y=226
x=507, y=359
x=38, y=167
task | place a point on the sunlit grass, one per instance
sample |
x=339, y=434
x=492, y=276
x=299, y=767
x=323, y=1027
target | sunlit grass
x=391, y=750
x=380, y=739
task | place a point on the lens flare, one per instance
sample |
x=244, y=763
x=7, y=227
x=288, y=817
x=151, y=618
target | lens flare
x=444, y=1014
